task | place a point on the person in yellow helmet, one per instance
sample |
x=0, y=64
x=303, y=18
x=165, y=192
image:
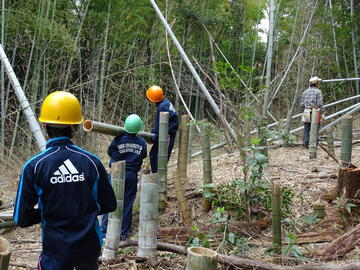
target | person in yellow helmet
x=70, y=187
x=156, y=95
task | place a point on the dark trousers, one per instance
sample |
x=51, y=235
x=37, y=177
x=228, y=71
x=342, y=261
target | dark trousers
x=48, y=263
x=129, y=198
x=153, y=155
x=306, y=135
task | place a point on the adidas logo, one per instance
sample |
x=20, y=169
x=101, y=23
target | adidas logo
x=66, y=173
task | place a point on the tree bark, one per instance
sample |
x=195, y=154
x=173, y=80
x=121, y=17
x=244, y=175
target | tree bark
x=339, y=246
x=349, y=183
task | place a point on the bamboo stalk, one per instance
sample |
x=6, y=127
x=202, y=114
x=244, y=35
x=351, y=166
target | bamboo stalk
x=181, y=177
x=313, y=133
x=9, y=224
x=163, y=158
x=5, y=253
x=115, y=218
x=199, y=258
x=112, y=130
x=207, y=170
x=194, y=73
x=34, y=126
x=183, y=148
x=346, y=141
x=276, y=217
x=330, y=142
x=148, y=220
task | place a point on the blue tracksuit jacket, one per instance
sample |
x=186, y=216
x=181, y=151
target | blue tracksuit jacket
x=130, y=148
x=71, y=188
x=166, y=106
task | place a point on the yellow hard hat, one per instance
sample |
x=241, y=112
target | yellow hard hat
x=61, y=107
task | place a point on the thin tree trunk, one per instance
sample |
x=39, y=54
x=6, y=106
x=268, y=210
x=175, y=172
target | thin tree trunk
x=102, y=67
x=353, y=38
x=334, y=37
x=269, y=57
x=2, y=80
x=76, y=41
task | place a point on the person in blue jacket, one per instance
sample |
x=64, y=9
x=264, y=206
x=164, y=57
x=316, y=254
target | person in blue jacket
x=133, y=150
x=70, y=187
x=156, y=95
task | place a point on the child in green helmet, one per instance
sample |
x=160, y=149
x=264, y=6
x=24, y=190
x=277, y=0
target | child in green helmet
x=133, y=150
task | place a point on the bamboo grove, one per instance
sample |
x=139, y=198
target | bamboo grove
x=109, y=52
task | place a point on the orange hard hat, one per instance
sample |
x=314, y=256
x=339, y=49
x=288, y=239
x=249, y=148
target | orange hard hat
x=155, y=94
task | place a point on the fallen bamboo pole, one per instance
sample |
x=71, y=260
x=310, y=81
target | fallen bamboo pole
x=247, y=264
x=30, y=117
x=202, y=86
x=112, y=130
x=8, y=224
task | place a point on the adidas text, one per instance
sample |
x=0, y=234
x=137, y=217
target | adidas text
x=67, y=178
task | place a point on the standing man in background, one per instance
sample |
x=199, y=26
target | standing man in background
x=311, y=99
x=156, y=95
x=71, y=188
x=133, y=150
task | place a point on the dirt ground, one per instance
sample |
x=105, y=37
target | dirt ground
x=290, y=167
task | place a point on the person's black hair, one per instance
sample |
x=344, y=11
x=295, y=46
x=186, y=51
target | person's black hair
x=55, y=132
x=313, y=84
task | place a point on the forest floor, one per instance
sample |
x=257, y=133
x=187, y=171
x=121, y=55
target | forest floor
x=288, y=166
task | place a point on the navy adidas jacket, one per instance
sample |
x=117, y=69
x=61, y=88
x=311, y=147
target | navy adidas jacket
x=130, y=148
x=166, y=106
x=71, y=188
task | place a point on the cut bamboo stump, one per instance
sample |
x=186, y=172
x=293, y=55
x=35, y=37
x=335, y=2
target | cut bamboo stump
x=148, y=221
x=115, y=218
x=163, y=159
x=181, y=175
x=330, y=142
x=199, y=258
x=346, y=141
x=5, y=252
x=207, y=170
x=276, y=218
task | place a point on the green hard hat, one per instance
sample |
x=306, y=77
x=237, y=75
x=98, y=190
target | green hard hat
x=133, y=124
